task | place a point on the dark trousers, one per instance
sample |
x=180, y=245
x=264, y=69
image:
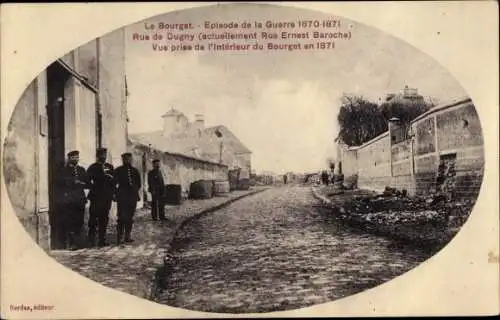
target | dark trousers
x=126, y=209
x=99, y=218
x=157, y=206
x=72, y=217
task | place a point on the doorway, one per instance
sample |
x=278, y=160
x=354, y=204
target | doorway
x=57, y=77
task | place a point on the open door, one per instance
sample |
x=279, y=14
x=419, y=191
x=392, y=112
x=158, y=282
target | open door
x=57, y=78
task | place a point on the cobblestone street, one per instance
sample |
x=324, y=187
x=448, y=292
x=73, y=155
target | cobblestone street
x=130, y=268
x=274, y=251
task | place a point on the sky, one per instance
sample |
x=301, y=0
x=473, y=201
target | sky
x=281, y=105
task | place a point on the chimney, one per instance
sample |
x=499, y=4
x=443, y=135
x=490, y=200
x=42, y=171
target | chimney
x=199, y=123
x=170, y=122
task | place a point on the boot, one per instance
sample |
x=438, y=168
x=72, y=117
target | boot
x=128, y=231
x=91, y=238
x=102, y=242
x=72, y=242
x=119, y=233
x=102, y=236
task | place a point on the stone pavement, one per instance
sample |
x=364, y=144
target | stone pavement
x=276, y=251
x=132, y=268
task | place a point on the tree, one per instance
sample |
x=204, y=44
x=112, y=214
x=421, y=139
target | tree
x=404, y=111
x=360, y=120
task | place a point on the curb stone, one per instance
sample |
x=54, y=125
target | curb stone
x=164, y=264
x=324, y=199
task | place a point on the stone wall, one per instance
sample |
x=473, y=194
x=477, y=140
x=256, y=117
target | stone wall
x=177, y=169
x=374, y=163
x=452, y=130
x=19, y=159
x=348, y=166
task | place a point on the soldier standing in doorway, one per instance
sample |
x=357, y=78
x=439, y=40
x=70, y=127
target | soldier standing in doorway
x=72, y=180
x=127, y=181
x=156, y=186
x=100, y=175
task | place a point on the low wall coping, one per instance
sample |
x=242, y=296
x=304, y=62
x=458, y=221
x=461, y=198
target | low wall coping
x=379, y=137
x=441, y=107
x=143, y=146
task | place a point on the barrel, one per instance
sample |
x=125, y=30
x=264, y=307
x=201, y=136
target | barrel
x=233, y=178
x=221, y=187
x=173, y=194
x=201, y=189
x=243, y=184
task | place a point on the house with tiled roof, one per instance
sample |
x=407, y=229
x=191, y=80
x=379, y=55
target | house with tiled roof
x=215, y=144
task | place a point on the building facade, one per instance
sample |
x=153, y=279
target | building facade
x=215, y=144
x=407, y=95
x=77, y=103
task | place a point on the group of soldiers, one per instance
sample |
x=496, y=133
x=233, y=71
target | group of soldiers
x=105, y=184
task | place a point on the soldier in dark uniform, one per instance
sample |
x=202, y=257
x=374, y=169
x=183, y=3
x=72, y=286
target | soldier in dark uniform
x=324, y=177
x=100, y=175
x=128, y=182
x=72, y=180
x=156, y=186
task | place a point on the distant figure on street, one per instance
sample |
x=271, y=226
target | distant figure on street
x=285, y=178
x=72, y=180
x=325, y=177
x=156, y=186
x=100, y=175
x=127, y=181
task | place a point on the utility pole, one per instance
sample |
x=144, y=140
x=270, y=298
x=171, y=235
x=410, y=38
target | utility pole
x=219, y=135
x=220, y=152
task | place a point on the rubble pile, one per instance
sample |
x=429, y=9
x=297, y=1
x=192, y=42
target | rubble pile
x=432, y=219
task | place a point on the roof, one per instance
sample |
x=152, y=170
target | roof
x=172, y=112
x=205, y=146
x=143, y=140
x=229, y=139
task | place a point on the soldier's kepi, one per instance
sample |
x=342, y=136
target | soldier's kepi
x=127, y=181
x=101, y=194
x=71, y=182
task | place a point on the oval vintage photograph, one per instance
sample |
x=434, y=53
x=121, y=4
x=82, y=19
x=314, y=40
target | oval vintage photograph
x=243, y=158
